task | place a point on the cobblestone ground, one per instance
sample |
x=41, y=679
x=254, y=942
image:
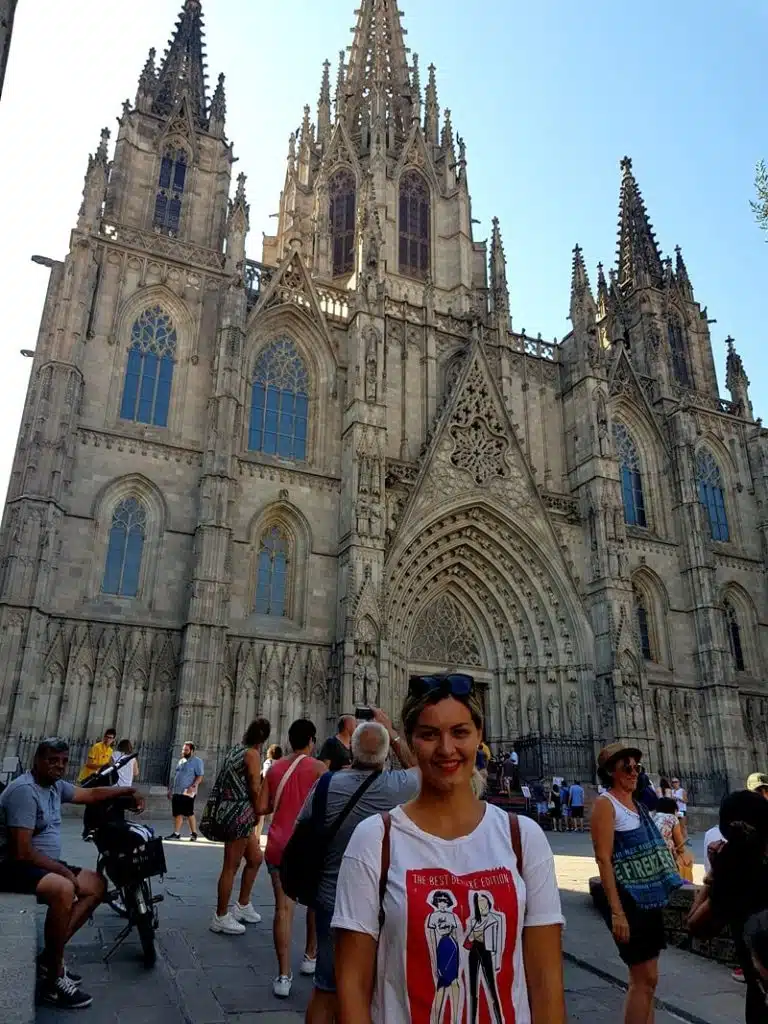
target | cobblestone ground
x=202, y=978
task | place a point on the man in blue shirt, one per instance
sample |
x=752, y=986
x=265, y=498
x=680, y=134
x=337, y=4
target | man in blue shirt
x=187, y=776
x=30, y=862
x=576, y=801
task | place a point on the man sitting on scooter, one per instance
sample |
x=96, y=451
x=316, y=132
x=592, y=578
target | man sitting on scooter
x=30, y=862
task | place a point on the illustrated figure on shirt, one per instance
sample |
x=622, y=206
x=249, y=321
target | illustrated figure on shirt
x=443, y=929
x=485, y=938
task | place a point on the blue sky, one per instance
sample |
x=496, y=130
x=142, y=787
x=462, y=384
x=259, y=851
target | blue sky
x=548, y=96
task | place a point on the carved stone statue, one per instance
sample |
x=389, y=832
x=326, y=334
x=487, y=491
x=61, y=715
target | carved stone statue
x=371, y=366
x=510, y=716
x=553, y=711
x=574, y=714
x=371, y=681
x=358, y=681
x=532, y=712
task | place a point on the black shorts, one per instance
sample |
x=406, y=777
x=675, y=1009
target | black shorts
x=577, y=812
x=646, y=931
x=20, y=877
x=182, y=806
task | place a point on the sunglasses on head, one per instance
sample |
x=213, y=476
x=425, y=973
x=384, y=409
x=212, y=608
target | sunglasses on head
x=456, y=684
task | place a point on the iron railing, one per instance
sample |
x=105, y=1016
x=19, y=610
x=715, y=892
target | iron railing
x=155, y=759
x=705, y=789
x=573, y=758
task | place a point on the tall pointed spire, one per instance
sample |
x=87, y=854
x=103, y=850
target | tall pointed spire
x=736, y=381
x=324, y=104
x=147, y=83
x=498, y=273
x=378, y=77
x=432, y=110
x=602, y=291
x=583, y=307
x=96, y=179
x=183, y=67
x=218, y=113
x=639, y=258
x=681, y=275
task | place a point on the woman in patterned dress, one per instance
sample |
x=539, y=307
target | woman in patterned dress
x=235, y=797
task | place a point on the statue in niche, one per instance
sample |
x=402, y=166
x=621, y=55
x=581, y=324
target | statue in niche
x=371, y=681
x=364, y=479
x=532, y=712
x=603, y=438
x=371, y=365
x=358, y=681
x=553, y=711
x=510, y=716
x=574, y=714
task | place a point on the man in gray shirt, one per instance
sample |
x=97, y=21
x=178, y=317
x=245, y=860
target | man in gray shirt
x=187, y=776
x=370, y=750
x=30, y=862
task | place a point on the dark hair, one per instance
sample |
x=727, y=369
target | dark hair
x=664, y=783
x=52, y=743
x=605, y=774
x=125, y=747
x=555, y=788
x=442, y=896
x=257, y=733
x=738, y=872
x=191, y=745
x=416, y=703
x=756, y=937
x=303, y=732
x=667, y=805
x=275, y=751
x=110, y=732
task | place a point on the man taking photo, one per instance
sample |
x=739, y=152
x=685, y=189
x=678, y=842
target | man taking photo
x=30, y=862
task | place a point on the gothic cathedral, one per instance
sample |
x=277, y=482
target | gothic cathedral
x=279, y=486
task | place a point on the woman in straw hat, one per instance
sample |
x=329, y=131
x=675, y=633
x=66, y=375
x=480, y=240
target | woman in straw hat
x=637, y=872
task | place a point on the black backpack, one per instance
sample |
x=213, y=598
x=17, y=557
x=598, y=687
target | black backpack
x=301, y=867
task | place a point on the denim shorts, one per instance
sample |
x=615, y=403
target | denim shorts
x=325, y=977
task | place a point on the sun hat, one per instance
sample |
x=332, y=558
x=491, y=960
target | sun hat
x=757, y=780
x=614, y=751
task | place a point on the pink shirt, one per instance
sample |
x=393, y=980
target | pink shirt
x=295, y=792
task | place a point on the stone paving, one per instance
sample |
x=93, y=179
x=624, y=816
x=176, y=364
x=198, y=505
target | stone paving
x=203, y=978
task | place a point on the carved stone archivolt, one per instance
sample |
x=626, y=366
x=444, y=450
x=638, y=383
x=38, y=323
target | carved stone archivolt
x=444, y=636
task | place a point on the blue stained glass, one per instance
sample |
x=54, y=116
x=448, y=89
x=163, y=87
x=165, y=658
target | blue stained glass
x=711, y=495
x=166, y=170
x=149, y=369
x=279, y=402
x=170, y=191
x=179, y=175
x=271, y=583
x=125, y=548
x=645, y=635
x=631, y=478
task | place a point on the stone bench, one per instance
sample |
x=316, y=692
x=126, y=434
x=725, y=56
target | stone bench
x=720, y=949
x=18, y=953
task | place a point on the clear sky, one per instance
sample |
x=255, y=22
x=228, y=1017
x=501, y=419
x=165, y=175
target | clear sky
x=548, y=95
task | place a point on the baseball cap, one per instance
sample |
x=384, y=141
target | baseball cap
x=614, y=751
x=757, y=780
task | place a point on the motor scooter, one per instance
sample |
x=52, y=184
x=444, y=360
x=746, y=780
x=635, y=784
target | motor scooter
x=129, y=857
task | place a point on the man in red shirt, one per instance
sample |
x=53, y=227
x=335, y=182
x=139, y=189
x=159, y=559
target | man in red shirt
x=288, y=783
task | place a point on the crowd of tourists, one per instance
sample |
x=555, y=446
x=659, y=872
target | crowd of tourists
x=422, y=900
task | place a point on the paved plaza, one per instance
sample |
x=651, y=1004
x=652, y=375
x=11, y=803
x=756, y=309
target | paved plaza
x=202, y=978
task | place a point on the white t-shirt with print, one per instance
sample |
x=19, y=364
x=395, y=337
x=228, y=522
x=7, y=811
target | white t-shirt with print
x=454, y=915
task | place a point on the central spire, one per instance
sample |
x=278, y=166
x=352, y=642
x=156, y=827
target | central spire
x=183, y=67
x=378, y=79
x=639, y=257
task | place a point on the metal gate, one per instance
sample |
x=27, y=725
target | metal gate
x=544, y=756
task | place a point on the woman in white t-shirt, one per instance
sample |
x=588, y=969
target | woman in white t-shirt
x=128, y=775
x=459, y=922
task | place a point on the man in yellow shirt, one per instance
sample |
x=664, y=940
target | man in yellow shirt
x=99, y=755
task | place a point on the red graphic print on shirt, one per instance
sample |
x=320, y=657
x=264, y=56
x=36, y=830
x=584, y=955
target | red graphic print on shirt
x=461, y=937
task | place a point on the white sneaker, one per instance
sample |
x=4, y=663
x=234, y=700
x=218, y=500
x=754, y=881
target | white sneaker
x=247, y=914
x=281, y=986
x=226, y=925
x=308, y=965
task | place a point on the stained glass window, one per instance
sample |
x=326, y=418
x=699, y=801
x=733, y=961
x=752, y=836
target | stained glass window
x=677, y=350
x=170, y=191
x=734, y=637
x=272, y=575
x=149, y=371
x=631, y=478
x=342, y=219
x=642, y=627
x=711, y=495
x=125, y=549
x=415, y=230
x=280, y=402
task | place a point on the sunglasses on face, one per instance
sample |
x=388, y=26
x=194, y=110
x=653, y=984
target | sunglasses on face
x=457, y=685
x=630, y=768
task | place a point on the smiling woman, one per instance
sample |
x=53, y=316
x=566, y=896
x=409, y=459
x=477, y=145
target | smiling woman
x=466, y=890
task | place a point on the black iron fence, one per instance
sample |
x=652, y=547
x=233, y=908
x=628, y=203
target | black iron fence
x=155, y=759
x=545, y=756
x=705, y=790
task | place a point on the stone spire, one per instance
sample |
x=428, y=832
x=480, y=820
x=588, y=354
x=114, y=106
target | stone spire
x=182, y=72
x=147, y=84
x=95, y=188
x=378, y=80
x=218, y=113
x=736, y=381
x=324, y=104
x=432, y=110
x=416, y=86
x=238, y=222
x=340, y=85
x=681, y=275
x=498, y=275
x=639, y=261
x=583, y=307
x=602, y=291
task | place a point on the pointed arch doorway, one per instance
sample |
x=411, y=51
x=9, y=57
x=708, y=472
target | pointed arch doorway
x=445, y=639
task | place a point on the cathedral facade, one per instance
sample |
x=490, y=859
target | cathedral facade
x=279, y=486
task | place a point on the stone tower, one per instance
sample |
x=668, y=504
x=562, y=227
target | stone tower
x=279, y=486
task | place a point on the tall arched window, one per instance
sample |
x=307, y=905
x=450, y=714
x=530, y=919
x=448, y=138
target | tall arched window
x=125, y=549
x=631, y=479
x=677, y=350
x=711, y=494
x=280, y=402
x=643, y=626
x=342, y=219
x=734, y=636
x=170, y=191
x=415, y=231
x=272, y=575
x=149, y=371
